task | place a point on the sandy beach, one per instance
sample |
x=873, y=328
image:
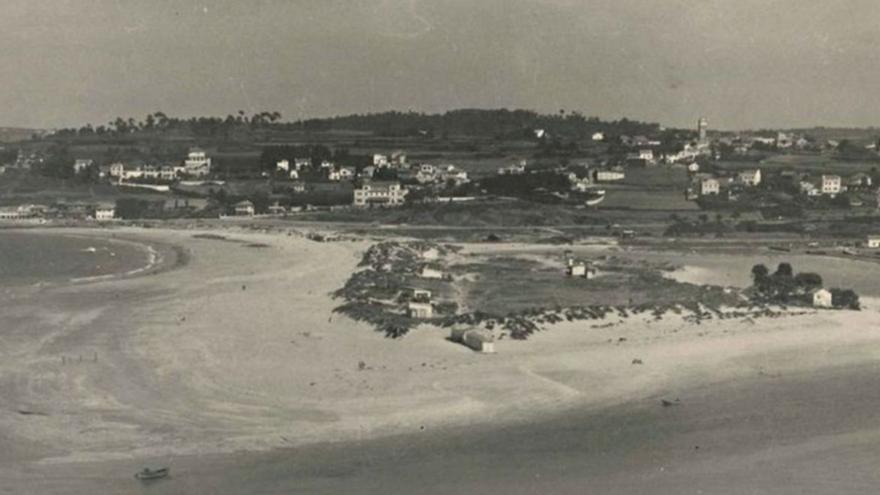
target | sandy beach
x=238, y=351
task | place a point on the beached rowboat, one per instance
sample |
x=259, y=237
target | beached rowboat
x=152, y=474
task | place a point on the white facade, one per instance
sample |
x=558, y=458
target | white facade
x=831, y=184
x=822, y=298
x=609, y=176
x=420, y=310
x=380, y=160
x=105, y=213
x=283, y=165
x=873, y=242
x=750, y=177
x=197, y=163
x=380, y=193
x=710, y=186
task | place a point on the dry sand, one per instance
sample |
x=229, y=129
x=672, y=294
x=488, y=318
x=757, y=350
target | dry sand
x=239, y=350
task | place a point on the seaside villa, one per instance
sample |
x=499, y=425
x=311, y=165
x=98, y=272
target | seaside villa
x=379, y=193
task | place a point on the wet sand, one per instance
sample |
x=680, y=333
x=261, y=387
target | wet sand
x=775, y=434
x=232, y=368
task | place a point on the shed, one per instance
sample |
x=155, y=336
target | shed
x=480, y=340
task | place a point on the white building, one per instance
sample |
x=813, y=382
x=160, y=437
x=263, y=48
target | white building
x=873, y=241
x=104, y=213
x=647, y=155
x=432, y=273
x=750, y=177
x=710, y=186
x=609, y=175
x=197, y=163
x=379, y=193
x=822, y=298
x=283, y=166
x=301, y=163
x=346, y=173
x=598, y=136
x=244, y=208
x=831, y=184
x=380, y=160
x=808, y=188
x=82, y=164
x=420, y=310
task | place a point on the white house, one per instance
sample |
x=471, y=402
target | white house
x=420, y=310
x=822, y=298
x=282, y=166
x=750, y=177
x=580, y=269
x=647, y=155
x=710, y=186
x=346, y=173
x=379, y=193
x=380, y=160
x=301, y=163
x=197, y=162
x=598, y=136
x=244, y=208
x=808, y=188
x=873, y=241
x=831, y=184
x=609, y=175
x=104, y=213
x=82, y=164
x=431, y=273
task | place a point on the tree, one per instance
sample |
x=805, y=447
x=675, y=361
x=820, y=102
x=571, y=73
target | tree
x=760, y=276
x=844, y=298
x=808, y=281
x=784, y=270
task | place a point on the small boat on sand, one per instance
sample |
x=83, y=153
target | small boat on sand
x=152, y=474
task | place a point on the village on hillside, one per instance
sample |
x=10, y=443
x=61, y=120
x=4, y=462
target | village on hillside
x=605, y=172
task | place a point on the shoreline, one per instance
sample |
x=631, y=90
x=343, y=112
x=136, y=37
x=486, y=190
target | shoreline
x=202, y=365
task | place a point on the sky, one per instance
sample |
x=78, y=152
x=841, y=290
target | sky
x=740, y=63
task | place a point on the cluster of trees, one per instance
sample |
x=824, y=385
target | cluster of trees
x=525, y=185
x=784, y=286
x=160, y=122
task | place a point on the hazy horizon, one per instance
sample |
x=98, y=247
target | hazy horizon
x=744, y=64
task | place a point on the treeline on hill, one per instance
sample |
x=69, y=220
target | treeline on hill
x=478, y=122
x=499, y=123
